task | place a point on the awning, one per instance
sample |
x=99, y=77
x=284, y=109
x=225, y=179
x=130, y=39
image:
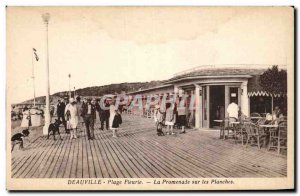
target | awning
x=255, y=89
x=264, y=93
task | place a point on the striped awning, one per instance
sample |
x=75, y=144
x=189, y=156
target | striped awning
x=255, y=89
x=264, y=93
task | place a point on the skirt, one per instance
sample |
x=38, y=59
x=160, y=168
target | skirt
x=181, y=120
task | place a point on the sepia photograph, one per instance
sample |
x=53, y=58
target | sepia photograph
x=149, y=98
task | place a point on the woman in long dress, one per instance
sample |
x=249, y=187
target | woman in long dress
x=112, y=113
x=72, y=117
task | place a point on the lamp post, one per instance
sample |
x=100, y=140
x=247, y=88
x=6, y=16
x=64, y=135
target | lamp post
x=46, y=18
x=69, y=85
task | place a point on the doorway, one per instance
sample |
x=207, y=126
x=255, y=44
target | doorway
x=216, y=104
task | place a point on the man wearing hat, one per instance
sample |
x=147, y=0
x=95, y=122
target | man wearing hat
x=89, y=116
x=60, y=110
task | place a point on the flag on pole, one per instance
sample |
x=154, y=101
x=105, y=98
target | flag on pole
x=36, y=56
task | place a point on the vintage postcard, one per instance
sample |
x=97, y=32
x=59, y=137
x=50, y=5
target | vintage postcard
x=150, y=98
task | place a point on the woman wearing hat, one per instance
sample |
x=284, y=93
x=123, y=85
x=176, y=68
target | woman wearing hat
x=170, y=119
x=72, y=117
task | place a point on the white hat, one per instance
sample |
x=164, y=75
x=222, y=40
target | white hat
x=71, y=100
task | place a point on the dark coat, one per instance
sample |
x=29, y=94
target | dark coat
x=117, y=121
x=103, y=114
x=61, y=109
x=84, y=110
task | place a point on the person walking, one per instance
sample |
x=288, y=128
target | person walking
x=116, y=123
x=72, y=117
x=112, y=113
x=103, y=114
x=89, y=116
x=60, y=111
x=182, y=111
x=78, y=107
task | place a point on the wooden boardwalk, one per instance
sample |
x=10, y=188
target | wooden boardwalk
x=139, y=153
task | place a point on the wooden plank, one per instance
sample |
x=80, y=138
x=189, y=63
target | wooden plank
x=90, y=159
x=79, y=170
x=55, y=164
x=46, y=163
x=105, y=165
x=177, y=164
x=75, y=157
x=62, y=168
x=29, y=163
x=85, y=164
x=127, y=164
x=111, y=159
x=37, y=165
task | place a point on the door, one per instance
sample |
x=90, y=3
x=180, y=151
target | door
x=216, y=104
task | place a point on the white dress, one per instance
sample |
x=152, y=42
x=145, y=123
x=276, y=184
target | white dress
x=112, y=113
x=73, y=121
x=35, y=115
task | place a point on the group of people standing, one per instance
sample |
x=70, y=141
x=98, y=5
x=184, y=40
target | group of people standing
x=73, y=112
x=172, y=116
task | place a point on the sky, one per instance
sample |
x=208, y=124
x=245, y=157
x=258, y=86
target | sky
x=104, y=45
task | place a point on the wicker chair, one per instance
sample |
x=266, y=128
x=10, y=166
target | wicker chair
x=227, y=127
x=240, y=132
x=255, y=114
x=278, y=137
x=254, y=133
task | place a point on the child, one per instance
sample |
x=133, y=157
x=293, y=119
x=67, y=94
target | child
x=116, y=123
x=159, y=121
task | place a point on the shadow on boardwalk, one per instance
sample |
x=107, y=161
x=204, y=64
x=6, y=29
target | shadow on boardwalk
x=139, y=153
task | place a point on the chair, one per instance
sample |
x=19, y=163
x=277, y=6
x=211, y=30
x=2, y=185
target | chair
x=226, y=126
x=255, y=114
x=240, y=132
x=278, y=137
x=254, y=134
x=261, y=121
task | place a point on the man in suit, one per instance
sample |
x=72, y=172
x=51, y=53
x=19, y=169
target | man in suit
x=103, y=114
x=60, y=110
x=89, y=116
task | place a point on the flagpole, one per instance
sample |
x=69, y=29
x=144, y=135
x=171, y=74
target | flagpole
x=69, y=85
x=32, y=61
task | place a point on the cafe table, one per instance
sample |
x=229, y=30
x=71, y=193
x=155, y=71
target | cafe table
x=266, y=128
x=222, y=128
